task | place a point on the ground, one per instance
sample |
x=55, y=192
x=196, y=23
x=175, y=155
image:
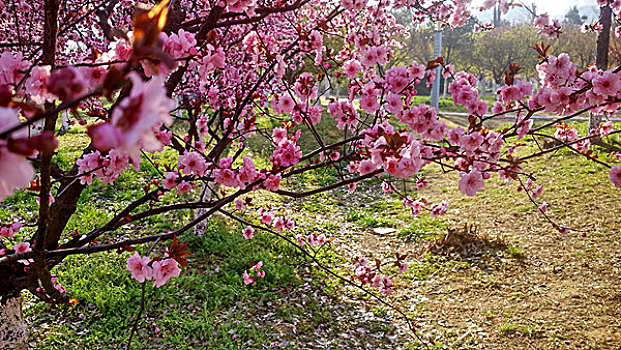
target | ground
x=491, y=274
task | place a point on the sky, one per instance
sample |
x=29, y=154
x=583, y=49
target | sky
x=555, y=8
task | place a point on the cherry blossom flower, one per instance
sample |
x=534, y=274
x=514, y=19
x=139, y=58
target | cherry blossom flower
x=351, y=68
x=170, y=180
x=139, y=267
x=10, y=230
x=248, y=232
x=537, y=191
x=164, y=270
x=471, y=183
x=15, y=169
x=193, y=163
x=543, y=207
x=23, y=247
x=145, y=108
x=248, y=279
x=615, y=175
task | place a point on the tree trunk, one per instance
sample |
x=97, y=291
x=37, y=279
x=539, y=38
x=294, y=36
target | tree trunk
x=445, y=88
x=603, y=42
x=65, y=123
x=205, y=196
x=13, y=328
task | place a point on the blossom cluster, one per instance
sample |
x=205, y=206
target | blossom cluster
x=159, y=270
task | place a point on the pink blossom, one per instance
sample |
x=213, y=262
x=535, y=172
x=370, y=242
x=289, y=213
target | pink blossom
x=369, y=103
x=139, y=267
x=582, y=146
x=386, y=286
x=543, y=207
x=471, y=142
x=225, y=163
x=351, y=68
x=537, y=191
x=10, y=230
x=605, y=128
x=354, y=5
x=170, y=180
x=181, y=44
x=541, y=20
x=164, y=270
x=226, y=177
x=248, y=279
x=615, y=175
x=523, y=127
x=247, y=172
x=287, y=153
x=285, y=104
x=397, y=79
x=607, y=84
x=553, y=30
x=248, y=232
x=454, y=135
x=344, y=113
x=214, y=59
x=272, y=182
x=279, y=135
x=351, y=188
x=300, y=239
x=23, y=247
x=438, y=209
x=183, y=187
x=193, y=163
x=15, y=171
x=421, y=183
x=393, y=103
x=256, y=267
x=315, y=40
x=66, y=83
x=447, y=71
x=367, y=166
x=471, y=183
x=279, y=224
x=12, y=68
x=266, y=216
x=36, y=85
x=146, y=107
x=104, y=136
x=498, y=107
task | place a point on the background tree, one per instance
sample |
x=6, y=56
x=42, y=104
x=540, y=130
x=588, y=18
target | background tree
x=497, y=48
x=573, y=17
x=579, y=45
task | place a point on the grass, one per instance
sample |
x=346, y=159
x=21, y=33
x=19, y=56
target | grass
x=516, y=252
x=207, y=306
x=529, y=330
x=206, y=309
x=423, y=228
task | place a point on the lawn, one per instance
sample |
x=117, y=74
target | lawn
x=489, y=274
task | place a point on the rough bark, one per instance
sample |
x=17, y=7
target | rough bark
x=13, y=328
x=601, y=61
